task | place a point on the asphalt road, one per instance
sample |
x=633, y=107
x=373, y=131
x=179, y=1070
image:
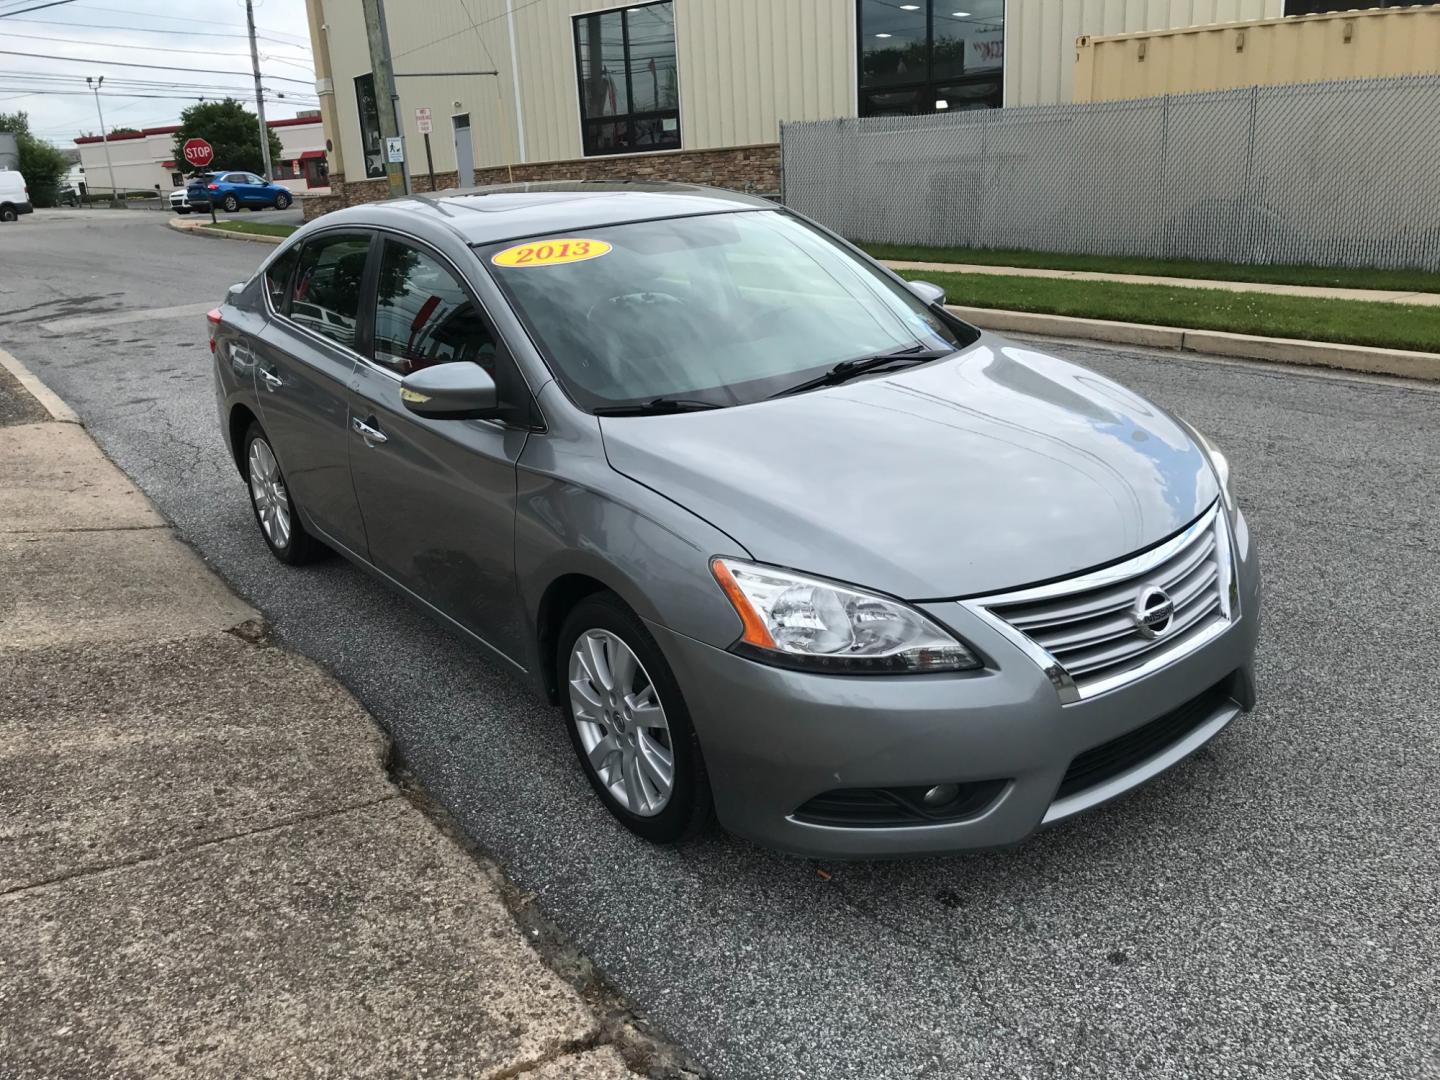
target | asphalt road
x=1267, y=909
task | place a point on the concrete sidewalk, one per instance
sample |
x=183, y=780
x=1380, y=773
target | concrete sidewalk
x=205, y=869
x=1380, y=296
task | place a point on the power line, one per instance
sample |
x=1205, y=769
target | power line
x=154, y=67
x=175, y=18
x=142, y=84
x=158, y=30
x=473, y=26
x=130, y=45
x=37, y=7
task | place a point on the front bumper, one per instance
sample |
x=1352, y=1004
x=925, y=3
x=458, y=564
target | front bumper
x=774, y=739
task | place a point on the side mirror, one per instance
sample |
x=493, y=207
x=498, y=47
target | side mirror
x=931, y=294
x=458, y=391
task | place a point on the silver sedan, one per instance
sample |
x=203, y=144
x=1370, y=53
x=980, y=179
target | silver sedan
x=787, y=543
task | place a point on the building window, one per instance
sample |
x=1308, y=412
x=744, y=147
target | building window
x=370, y=140
x=1319, y=7
x=625, y=65
x=286, y=170
x=931, y=56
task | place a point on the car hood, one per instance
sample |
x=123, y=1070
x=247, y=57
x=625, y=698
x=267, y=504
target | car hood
x=998, y=467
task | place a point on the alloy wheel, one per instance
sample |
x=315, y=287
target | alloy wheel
x=621, y=722
x=267, y=488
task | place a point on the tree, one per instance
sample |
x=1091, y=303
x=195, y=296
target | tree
x=232, y=133
x=124, y=131
x=41, y=164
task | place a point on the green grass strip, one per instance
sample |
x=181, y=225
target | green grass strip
x=258, y=228
x=1352, y=322
x=1324, y=277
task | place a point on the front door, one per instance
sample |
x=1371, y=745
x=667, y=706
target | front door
x=304, y=360
x=464, y=151
x=437, y=496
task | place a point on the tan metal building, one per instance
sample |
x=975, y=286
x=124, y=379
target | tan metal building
x=1313, y=48
x=692, y=89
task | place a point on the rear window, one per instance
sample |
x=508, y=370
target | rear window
x=278, y=274
x=325, y=297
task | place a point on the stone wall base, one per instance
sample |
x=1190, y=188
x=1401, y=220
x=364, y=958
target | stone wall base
x=753, y=169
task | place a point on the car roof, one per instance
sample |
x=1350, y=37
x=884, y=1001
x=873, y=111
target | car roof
x=488, y=215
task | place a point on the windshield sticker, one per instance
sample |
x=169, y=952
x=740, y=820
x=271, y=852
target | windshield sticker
x=551, y=252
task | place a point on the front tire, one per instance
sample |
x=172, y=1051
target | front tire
x=270, y=499
x=230, y=204
x=282, y=201
x=629, y=724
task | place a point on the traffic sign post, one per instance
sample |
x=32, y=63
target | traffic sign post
x=424, y=125
x=197, y=152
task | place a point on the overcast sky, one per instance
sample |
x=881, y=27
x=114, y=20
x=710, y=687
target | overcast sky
x=129, y=32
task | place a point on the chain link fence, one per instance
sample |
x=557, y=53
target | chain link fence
x=1323, y=174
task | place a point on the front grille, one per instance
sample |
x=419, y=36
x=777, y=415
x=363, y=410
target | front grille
x=879, y=808
x=1111, y=759
x=1088, y=626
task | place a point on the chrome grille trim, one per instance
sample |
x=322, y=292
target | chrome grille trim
x=1081, y=633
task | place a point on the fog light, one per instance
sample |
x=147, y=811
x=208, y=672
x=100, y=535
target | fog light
x=941, y=794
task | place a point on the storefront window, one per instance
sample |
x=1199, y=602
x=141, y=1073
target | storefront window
x=931, y=55
x=370, y=140
x=1318, y=7
x=629, y=94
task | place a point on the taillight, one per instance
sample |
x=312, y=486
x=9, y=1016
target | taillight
x=213, y=187
x=214, y=316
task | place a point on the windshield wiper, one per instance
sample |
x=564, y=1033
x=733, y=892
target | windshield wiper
x=659, y=406
x=851, y=369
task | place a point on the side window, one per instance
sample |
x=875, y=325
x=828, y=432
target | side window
x=326, y=294
x=424, y=317
x=278, y=274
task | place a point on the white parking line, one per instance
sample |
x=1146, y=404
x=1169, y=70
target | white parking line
x=120, y=318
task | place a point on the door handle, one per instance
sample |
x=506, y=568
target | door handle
x=273, y=382
x=371, y=435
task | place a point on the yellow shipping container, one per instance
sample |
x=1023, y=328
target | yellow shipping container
x=1312, y=48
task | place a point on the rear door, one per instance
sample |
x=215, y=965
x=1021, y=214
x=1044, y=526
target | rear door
x=437, y=496
x=304, y=360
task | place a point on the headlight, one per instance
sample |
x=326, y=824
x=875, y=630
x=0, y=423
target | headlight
x=803, y=622
x=1222, y=470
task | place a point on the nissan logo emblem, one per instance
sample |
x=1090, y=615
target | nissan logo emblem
x=1153, y=612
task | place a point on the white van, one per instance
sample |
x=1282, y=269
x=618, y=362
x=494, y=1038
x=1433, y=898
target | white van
x=14, y=195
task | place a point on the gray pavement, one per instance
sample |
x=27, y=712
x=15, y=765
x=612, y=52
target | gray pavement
x=205, y=868
x=1267, y=910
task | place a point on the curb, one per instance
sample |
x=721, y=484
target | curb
x=201, y=230
x=48, y=399
x=1365, y=358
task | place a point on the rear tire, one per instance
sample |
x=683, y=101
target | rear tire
x=632, y=717
x=7, y=213
x=270, y=499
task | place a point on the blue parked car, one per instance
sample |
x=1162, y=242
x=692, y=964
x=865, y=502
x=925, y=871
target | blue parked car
x=232, y=190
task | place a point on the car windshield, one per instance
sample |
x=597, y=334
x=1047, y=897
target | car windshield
x=719, y=309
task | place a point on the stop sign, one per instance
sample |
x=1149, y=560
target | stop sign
x=197, y=152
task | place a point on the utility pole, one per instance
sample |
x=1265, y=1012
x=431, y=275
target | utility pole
x=259, y=93
x=94, y=85
x=387, y=99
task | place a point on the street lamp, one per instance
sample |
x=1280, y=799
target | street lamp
x=94, y=85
